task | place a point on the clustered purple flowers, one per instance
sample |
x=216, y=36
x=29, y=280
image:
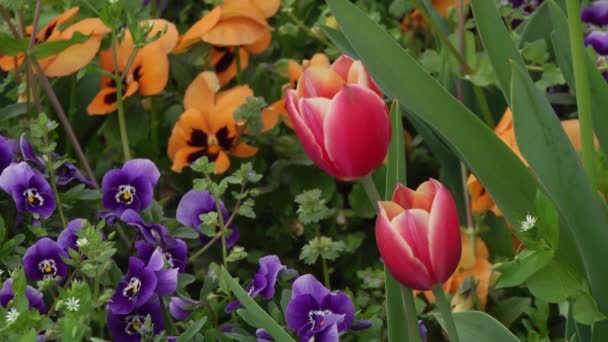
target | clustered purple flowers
x=596, y=16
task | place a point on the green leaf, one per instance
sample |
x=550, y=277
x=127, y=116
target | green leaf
x=337, y=37
x=524, y=265
x=12, y=111
x=257, y=315
x=549, y=153
x=536, y=51
x=585, y=310
x=395, y=171
x=192, y=330
x=479, y=326
x=12, y=46
x=555, y=283
x=401, y=77
x=47, y=49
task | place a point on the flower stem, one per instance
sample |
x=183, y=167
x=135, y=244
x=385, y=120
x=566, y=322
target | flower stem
x=370, y=188
x=239, y=71
x=413, y=331
x=53, y=182
x=583, y=94
x=305, y=27
x=205, y=248
x=124, y=138
x=446, y=313
x=325, y=273
x=167, y=316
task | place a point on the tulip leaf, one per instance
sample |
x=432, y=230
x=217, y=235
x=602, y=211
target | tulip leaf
x=337, y=37
x=257, y=315
x=479, y=326
x=551, y=156
x=598, y=86
x=400, y=76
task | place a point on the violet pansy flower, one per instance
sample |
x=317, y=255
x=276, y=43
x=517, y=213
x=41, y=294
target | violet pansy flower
x=68, y=237
x=596, y=13
x=30, y=191
x=316, y=313
x=196, y=203
x=152, y=232
x=263, y=282
x=174, y=250
x=180, y=308
x=123, y=327
x=141, y=282
x=34, y=297
x=43, y=260
x=7, y=152
x=263, y=336
x=130, y=187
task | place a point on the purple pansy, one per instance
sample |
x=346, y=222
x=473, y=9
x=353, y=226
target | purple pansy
x=131, y=187
x=7, y=152
x=28, y=154
x=30, y=191
x=263, y=281
x=68, y=237
x=599, y=41
x=123, y=327
x=315, y=312
x=44, y=260
x=196, y=203
x=174, y=250
x=152, y=232
x=34, y=297
x=596, y=13
x=263, y=336
x=180, y=308
x=141, y=282
x=422, y=329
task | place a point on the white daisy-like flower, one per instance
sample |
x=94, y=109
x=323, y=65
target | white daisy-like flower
x=11, y=316
x=83, y=241
x=528, y=223
x=72, y=304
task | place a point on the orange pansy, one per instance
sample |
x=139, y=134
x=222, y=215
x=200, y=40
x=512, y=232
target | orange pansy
x=207, y=126
x=74, y=57
x=471, y=264
x=235, y=23
x=414, y=20
x=148, y=74
x=270, y=115
x=481, y=201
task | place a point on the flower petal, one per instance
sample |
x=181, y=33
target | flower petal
x=444, y=235
x=198, y=30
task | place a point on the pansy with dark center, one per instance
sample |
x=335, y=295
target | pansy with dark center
x=43, y=260
x=316, y=313
x=124, y=327
x=141, y=282
x=34, y=297
x=7, y=152
x=131, y=187
x=196, y=203
x=263, y=281
x=174, y=251
x=30, y=191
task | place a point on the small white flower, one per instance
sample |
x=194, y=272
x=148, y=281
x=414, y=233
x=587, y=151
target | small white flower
x=528, y=223
x=83, y=241
x=72, y=304
x=11, y=316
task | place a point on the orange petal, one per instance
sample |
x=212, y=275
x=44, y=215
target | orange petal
x=198, y=30
x=267, y=7
x=186, y=156
x=168, y=33
x=151, y=70
x=244, y=9
x=201, y=92
x=319, y=82
x=8, y=63
x=181, y=134
x=87, y=27
x=105, y=101
x=318, y=60
x=294, y=71
x=224, y=63
x=243, y=150
x=226, y=103
x=235, y=32
x=73, y=58
x=270, y=115
x=481, y=201
x=261, y=44
x=51, y=29
x=222, y=163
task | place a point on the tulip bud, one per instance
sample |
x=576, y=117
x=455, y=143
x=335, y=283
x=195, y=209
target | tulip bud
x=418, y=235
x=340, y=119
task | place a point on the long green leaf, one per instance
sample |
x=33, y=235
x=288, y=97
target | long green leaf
x=598, y=86
x=12, y=111
x=479, y=326
x=400, y=76
x=257, y=313
x=550, y=154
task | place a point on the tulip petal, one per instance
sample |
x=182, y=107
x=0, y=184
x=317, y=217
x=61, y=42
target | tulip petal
x=391, y=208
x=200, y=93
x=342, y=65
x=398, y=256
x=359, y=75
x=413, y=227
x=444, y=235
x=357, y=131
x=319, y=82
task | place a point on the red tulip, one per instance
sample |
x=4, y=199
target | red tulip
x=340, y=118
x=418, y=235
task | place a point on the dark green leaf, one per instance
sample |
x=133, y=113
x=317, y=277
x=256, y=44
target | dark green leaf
x=12, y=111
x=479, y=326
x=192, y=330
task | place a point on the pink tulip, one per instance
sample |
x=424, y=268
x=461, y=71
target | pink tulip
x=340, y=118
x=418, y=235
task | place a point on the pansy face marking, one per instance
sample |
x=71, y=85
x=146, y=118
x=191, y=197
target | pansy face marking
x=48, y=268
x=134, y=322
x=125, y=194
x=169, y=259
x=132, y=288
x=317, y=317
x=33, y=197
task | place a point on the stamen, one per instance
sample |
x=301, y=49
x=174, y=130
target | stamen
x=134, y=322
x=316, y=318
x=48, y=267
x=132, y=288
x=33, y=197
x=125, y=194
x=169, y=259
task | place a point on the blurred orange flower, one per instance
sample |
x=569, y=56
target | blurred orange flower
x=148, y=74
x=207, y=126
x=414, y=21
x=472, y=264
x=71, y=59
x=270, y=115
x=235, y=23
x=481, y=201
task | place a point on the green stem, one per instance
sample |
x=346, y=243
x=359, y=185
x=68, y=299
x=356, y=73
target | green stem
x=122, y=125
x=583, y=93
x=168, y=319
x=446, y=313
x=325, y=273
x=222, y=229
x=413, y=331
x=305, y=28
x=239, y=72
x=370, y=188
x=53, y=182
x=205, y=248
